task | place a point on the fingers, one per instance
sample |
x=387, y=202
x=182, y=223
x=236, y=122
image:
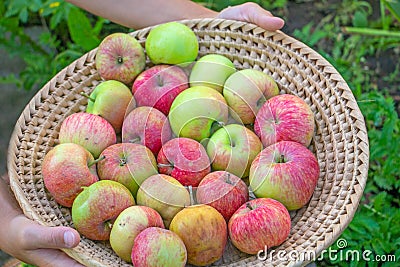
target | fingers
x=34, y=236
x=253, y=13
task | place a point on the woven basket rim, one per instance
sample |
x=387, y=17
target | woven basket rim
x=225, y=29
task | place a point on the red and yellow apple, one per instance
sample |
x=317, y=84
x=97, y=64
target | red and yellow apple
x=66, y=169
x=120, y=57
x=286, y=171
x=258, y=224
x=184, y=159
x=203, y=230
x=88, y=130
x=158, y=86
x=285, y=117
x=223, y=191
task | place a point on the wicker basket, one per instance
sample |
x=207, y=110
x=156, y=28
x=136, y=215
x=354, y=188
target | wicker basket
x=340, y=142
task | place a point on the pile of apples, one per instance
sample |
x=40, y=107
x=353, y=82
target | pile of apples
x=162, y=161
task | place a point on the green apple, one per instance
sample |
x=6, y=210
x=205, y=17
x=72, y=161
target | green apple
x=246, y=91
x=129, y=223
x=165, y=194
x=110, y=99
x=197, y=112
x=233, y=149
x=97, y=206
x=211, y=70
x=171, y=43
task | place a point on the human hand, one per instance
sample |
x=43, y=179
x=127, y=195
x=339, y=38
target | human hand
x=30, y=242
x=253, y=13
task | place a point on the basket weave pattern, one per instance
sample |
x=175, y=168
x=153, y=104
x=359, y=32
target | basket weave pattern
x=340, y=142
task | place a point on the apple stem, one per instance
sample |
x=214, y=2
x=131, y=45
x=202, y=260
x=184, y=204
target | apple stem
x=95, y=161
x=281, y=159
x=109, y=224
x=159, y=80
x=228, y=179
x=87, y=96
x=120, y=60
x=135, y=140
x=164, y=165
x=122, y=161
x=249, y=206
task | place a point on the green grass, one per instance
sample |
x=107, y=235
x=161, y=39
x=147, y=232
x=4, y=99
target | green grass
x=350, y=35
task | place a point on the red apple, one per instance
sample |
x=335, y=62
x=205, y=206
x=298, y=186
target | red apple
x=285, y=118
x=147, y=126
x=158, y=86
x=286, y=171
x=97, y=206
x=158, y=247
x=233, y=149
x=66, y=169
x=246, y=91
x=224, y=191
x=164, y=194
x=259, y=223
x=184, y=159
x=88, y=130
x=128, y=164
x=203, y=230
x=120, y=57
x=129, y=223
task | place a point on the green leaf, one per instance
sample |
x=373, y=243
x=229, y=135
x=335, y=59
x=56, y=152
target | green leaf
x=394, y=8
x=81, y=30
x=360, y=19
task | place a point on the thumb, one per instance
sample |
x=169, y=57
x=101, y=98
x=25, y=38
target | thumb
x=37, y=236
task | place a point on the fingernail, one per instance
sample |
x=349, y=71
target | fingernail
x=69, y=239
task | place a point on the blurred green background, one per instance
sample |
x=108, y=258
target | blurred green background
x=361, y=39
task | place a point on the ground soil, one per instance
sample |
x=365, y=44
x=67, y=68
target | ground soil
x=297, y=14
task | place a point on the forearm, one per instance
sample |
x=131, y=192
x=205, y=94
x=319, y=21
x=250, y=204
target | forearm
x=139, y=14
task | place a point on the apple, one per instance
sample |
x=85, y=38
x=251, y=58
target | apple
x=129, y=223
x=203, y=230
x=155, y=246
x=147, y=126
x=184, y=159
x=246, y=91
x=233, y=148
x=127, y=163
x=211, y=70
x=164, y=194
x=67, y=168
x=97, y=206
x=197, y=112
x=158, y=86
x=285, y=118
x=120, y=57
x=88, y=130
x=223, y=191
x=110, y=99
x=259, y=223
x=286, y=171
x=171, y=43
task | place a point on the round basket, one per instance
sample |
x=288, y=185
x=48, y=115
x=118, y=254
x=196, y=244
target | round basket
x=340, y=142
